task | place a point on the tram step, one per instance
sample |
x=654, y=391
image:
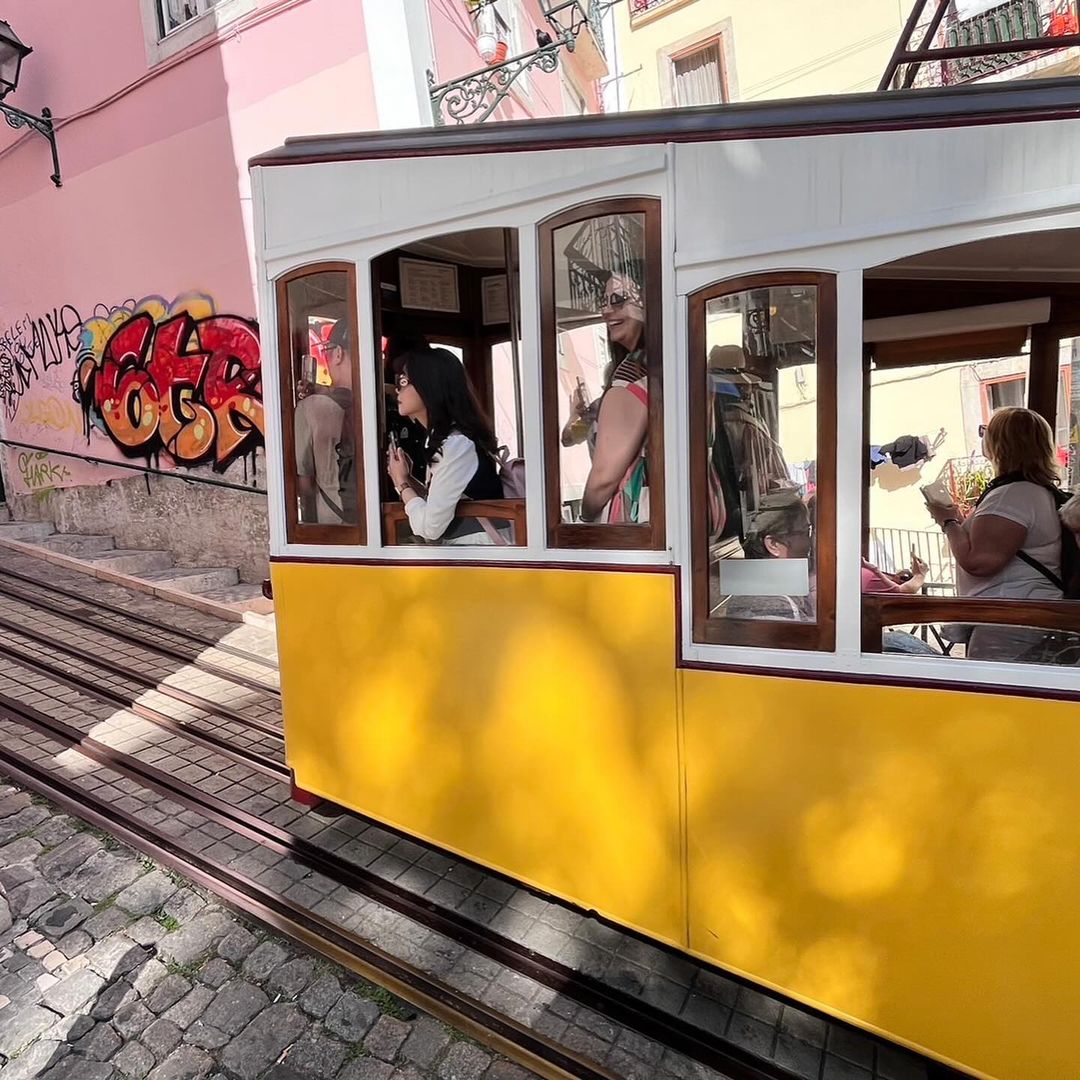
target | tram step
x=243, y=597
x=194, y=579
x=131, y=562
x=25, y=530
x=78, y=544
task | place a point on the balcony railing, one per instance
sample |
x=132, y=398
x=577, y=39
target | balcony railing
x=1015, y=20
x=644, y=7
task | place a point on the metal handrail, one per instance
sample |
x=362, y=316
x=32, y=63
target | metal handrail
x=186, y=477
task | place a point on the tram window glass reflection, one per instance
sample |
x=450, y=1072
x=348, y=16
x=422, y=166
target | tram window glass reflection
x=763, y=544
x=601, y=377
x=319, y=376
x=449, y=425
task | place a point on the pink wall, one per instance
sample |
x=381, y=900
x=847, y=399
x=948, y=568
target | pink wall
x=156, y=199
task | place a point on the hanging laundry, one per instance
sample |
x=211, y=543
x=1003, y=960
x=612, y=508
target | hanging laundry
x=907, y=451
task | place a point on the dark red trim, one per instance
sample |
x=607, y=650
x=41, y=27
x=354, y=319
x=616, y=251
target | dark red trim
x=958, y=106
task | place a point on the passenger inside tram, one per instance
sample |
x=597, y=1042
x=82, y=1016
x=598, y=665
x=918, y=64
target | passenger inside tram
x=601, y=325
x=325, y=444
x=458, y=451
x=618, y=481
x=1010, y=544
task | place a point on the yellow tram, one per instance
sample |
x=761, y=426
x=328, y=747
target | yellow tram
x=633, y=712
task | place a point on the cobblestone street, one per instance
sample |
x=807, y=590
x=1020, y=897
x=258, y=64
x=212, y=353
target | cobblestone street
x=111, y=967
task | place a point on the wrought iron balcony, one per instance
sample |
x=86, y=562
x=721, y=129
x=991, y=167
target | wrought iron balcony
x=1014, y=21
x=645, y=7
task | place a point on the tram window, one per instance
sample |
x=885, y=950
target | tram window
x=965, y=554
x=601, y=324
x=448, y=320
x=320, y=419
x=762, y=413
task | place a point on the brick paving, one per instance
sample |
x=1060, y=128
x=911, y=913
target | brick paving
x=774, y=1030
x=113, y=968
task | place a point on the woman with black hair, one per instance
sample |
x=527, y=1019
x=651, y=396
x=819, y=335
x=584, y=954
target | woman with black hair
x=458, y=450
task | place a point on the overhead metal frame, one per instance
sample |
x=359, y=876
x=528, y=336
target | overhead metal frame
x=914, y=58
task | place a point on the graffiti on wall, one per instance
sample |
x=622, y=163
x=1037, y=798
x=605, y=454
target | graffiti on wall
x=33, y=344
x=176, y=377
x=39, y=472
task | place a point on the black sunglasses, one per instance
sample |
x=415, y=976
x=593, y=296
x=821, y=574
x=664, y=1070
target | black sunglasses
x=616, y=300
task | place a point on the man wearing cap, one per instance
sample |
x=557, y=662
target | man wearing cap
x=325, y=444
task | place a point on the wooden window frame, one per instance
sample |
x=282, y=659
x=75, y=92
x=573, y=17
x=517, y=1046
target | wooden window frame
x=596, y=537
x=820, y=635
x=296, y=531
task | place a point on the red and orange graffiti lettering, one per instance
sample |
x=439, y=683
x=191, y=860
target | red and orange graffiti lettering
x=190, y=387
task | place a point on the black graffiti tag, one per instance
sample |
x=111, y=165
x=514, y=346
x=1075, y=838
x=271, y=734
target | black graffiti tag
x=30, y=346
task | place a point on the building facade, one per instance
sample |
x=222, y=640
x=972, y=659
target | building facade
x=128, y=325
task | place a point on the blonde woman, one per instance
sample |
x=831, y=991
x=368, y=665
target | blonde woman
x=1010, y=544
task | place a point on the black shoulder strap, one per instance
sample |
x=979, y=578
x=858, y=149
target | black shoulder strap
x=1046, y=572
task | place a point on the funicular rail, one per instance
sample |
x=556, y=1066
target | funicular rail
x=143, y=620
x=195, y=659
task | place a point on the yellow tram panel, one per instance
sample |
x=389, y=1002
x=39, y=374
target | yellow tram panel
x=522, y=718
x=905, y=858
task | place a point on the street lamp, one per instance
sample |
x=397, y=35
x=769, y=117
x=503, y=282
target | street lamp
x=12, y=53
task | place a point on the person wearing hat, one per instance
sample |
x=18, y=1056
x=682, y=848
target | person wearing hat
x=325, y=443
x=778, y=529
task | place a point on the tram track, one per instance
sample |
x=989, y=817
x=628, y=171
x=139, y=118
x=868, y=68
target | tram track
x=212, y=740
x=194, y=659
x=614, y=1005
x=185, y=697
x=535, y=1052
x=143, y=620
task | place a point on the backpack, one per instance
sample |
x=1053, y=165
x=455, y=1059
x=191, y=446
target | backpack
x=1069, y=582
x=511, y=473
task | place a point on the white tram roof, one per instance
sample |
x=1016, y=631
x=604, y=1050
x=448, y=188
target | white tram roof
x=767, y=181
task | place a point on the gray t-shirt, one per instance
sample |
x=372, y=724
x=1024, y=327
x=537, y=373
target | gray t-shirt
x=318, y=432
x=1032, y=506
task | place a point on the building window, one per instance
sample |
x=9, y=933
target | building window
x=170, y=26
x=601, y=355
x=172, y=14
x=320, y=380
x=698, y=76
x=762, y=444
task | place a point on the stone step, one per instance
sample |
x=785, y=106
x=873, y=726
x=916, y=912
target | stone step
x=194, y=579
x=243, y=597
x=5, y=512
x=132, y=562
x=26, y=531
x=78, y=544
